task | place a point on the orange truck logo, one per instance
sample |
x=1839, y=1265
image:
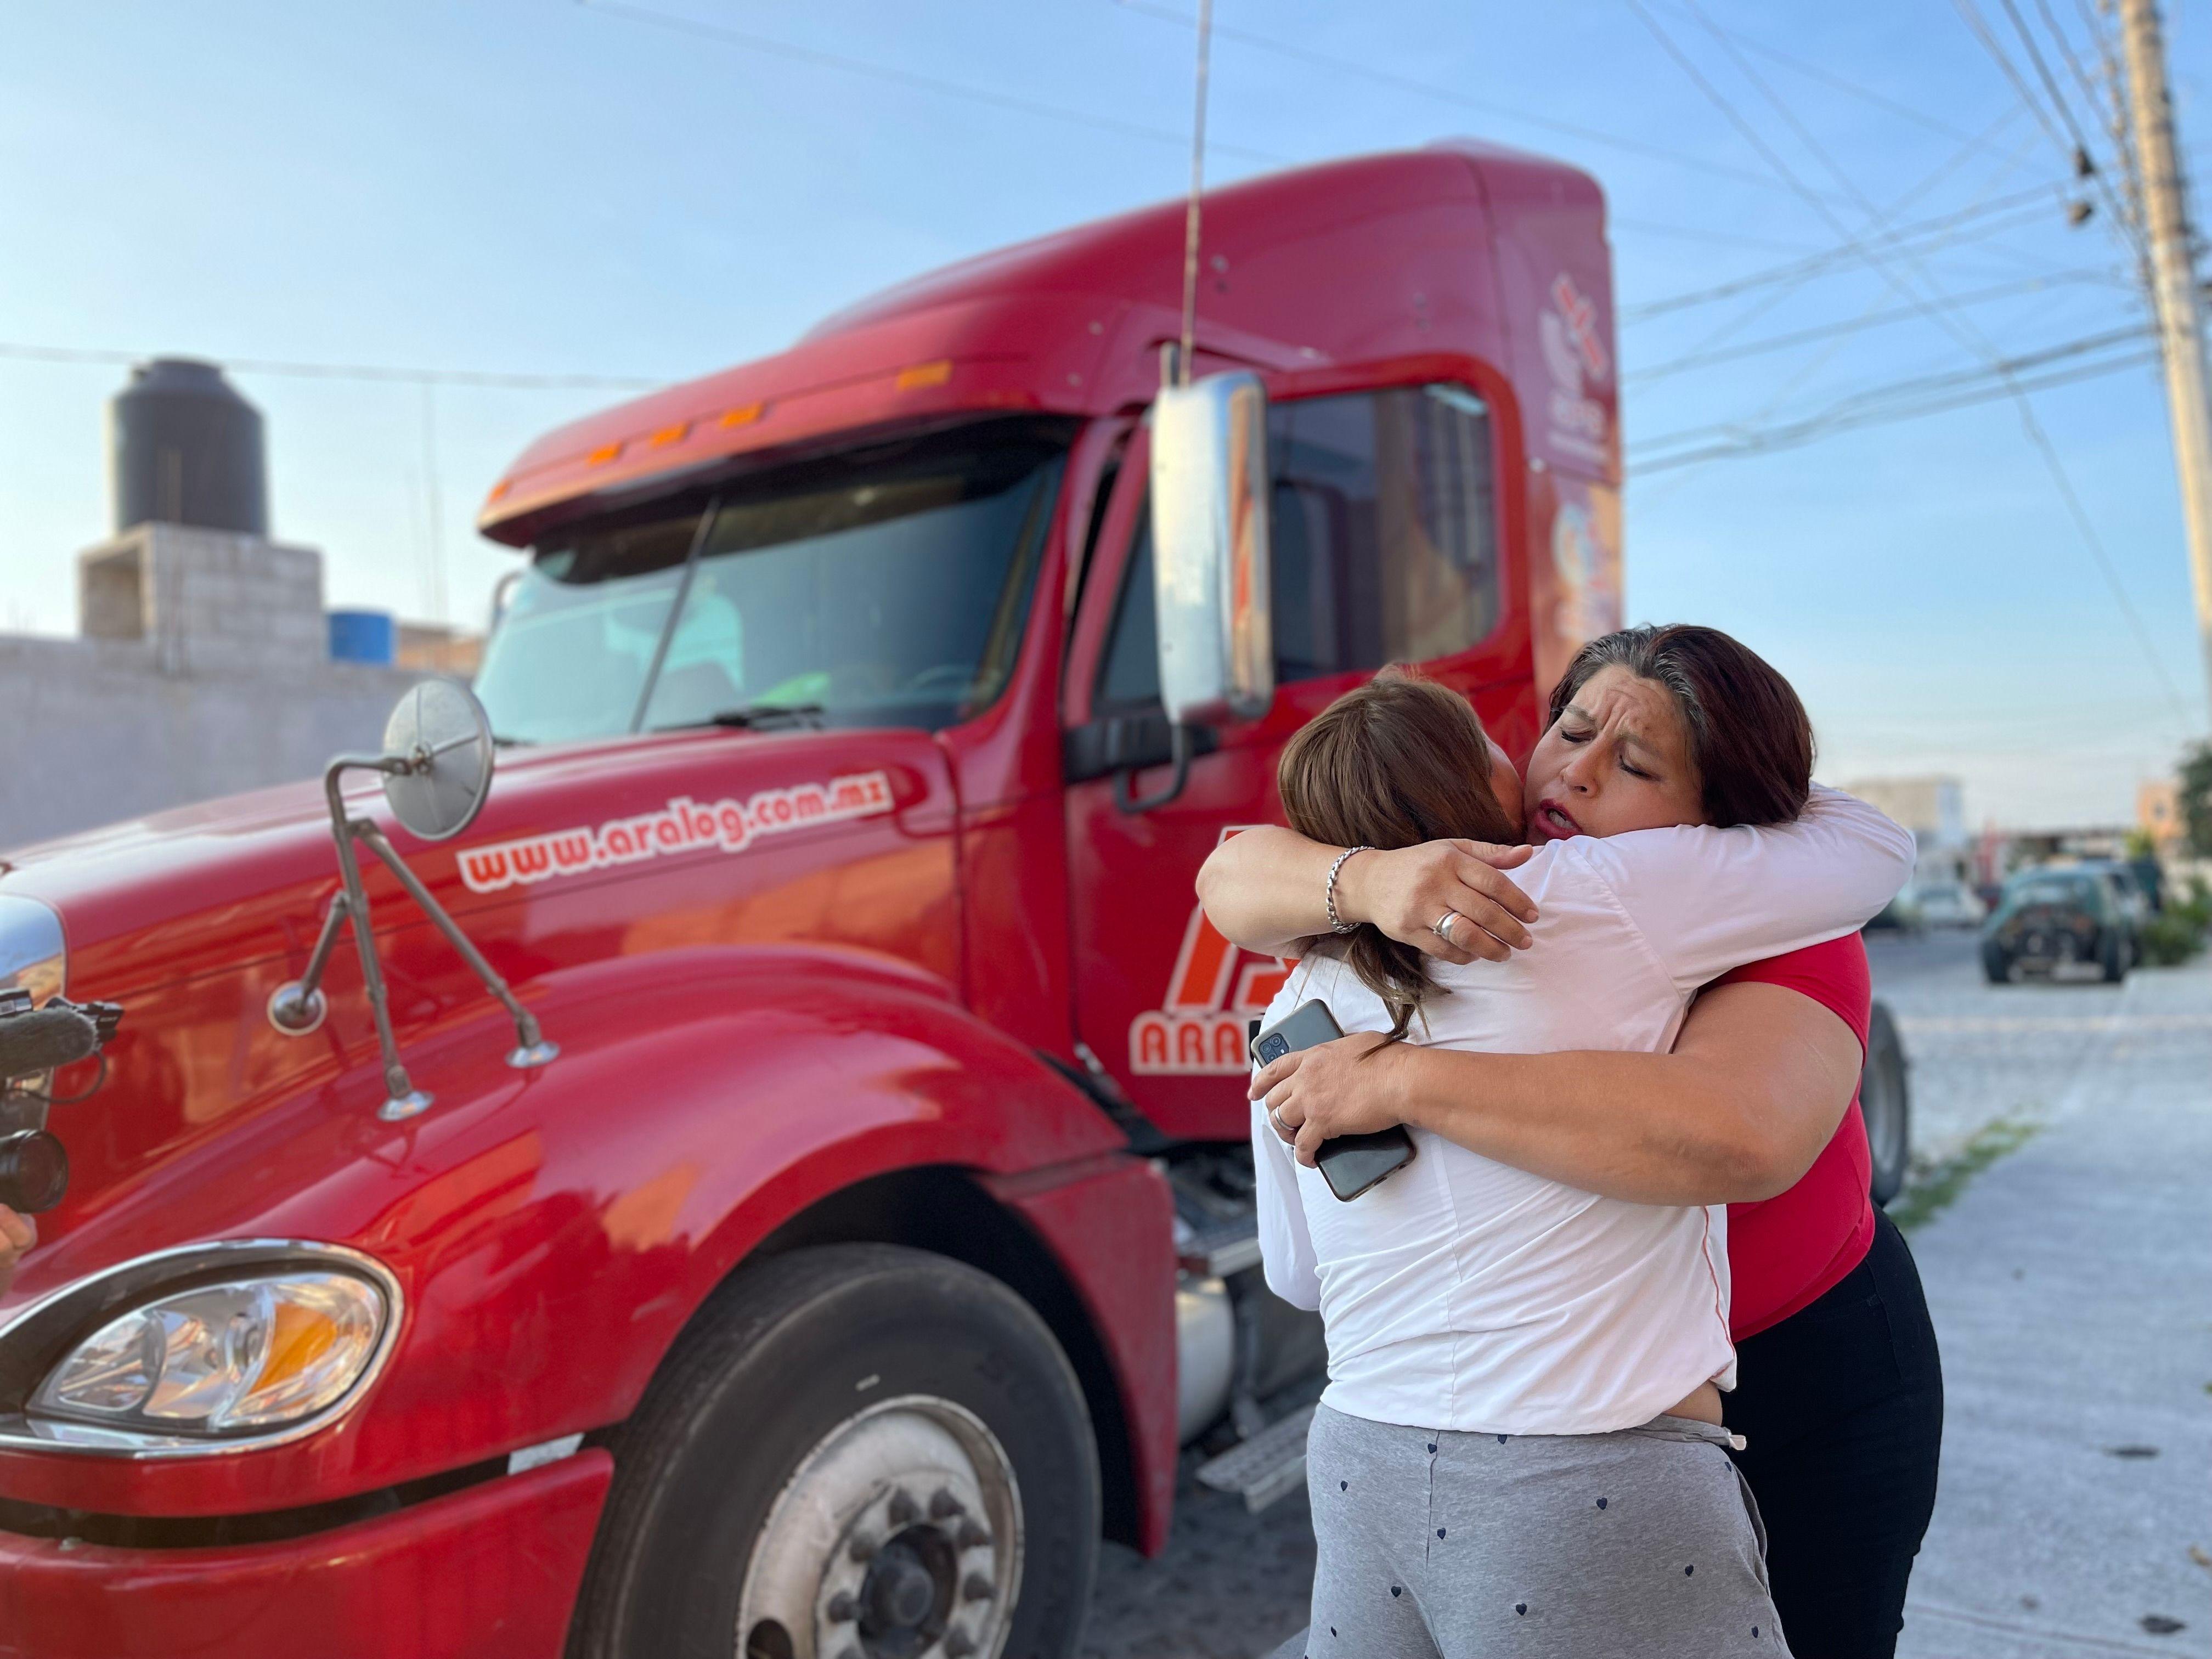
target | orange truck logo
x=1212, y=994
x=682, y=826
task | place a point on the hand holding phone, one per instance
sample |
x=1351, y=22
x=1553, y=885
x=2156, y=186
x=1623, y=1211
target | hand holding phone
x=1350, y=1163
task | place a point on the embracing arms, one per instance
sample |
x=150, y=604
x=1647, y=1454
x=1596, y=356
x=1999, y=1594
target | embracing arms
x=1754, y=1088
x=1756, y=1085
x=1266, y=890
x=1707, y=899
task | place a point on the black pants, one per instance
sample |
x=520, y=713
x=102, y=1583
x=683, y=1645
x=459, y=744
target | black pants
x=1841, y=1408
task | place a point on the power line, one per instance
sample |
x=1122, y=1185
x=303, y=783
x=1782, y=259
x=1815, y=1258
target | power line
x=1982, y=32
x=1956, y=327
x=2085, y=159
x=1453, y=95
x=1906, y=394
x=1829, y=77
x=1781, y=394
x=911, y=78
x=1895, y=240
x=1721, y=238
x=1852, y=326
x=1844, y=417
x=1888, y=217
x=2065, y=48
x=39, y=354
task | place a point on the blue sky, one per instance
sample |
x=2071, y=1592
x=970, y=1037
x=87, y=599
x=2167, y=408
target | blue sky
x=536, y=186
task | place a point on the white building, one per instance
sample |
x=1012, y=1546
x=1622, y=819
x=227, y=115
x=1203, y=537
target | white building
x=1934, y=808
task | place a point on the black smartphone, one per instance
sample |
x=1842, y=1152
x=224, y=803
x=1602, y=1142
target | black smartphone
x=1350, y=1163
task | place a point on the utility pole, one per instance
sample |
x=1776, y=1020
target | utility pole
x=2174, y=293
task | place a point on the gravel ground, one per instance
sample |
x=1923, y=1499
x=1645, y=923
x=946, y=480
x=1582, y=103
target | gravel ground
x=2045, y=1544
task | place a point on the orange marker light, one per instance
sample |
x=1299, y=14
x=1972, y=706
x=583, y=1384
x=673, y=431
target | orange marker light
x=502, y=488
x=743, y=415
x=922, y=374
x=671, y=435
x=603, y=454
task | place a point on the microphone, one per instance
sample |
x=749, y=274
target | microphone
x=42, y=1039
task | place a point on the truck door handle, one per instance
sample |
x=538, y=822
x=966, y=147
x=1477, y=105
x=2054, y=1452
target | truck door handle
x=1125, y=780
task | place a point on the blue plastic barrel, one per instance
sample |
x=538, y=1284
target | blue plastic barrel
x=367, y=636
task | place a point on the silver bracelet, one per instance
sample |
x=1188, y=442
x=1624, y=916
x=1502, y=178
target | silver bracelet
x=1336, y=923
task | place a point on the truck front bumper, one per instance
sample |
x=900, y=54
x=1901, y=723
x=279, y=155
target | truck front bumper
x=488, y=1572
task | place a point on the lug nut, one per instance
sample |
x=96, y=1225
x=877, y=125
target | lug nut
x=943, y=1505
x=977, y=1589
x=904, y=1508
x=970, y=1535
x=841, y=1608
x=863, y=1548
x=958, y=1643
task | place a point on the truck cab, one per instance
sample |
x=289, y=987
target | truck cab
x=882, y=1231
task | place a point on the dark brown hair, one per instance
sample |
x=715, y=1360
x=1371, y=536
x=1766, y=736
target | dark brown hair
x=1749, y=738
x=1399, y=761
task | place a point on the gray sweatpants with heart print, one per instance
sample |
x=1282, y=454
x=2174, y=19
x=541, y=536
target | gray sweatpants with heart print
x=1441, y=1545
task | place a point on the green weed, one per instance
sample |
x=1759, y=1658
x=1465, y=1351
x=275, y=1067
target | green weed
x=1938, y=1188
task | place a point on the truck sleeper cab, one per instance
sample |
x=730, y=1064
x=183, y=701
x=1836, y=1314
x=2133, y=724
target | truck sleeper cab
x=883, y=1229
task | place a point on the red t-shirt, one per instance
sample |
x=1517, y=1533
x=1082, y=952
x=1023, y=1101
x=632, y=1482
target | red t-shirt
x=1785, y=1252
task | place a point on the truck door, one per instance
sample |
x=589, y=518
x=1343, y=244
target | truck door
x=1386, y=549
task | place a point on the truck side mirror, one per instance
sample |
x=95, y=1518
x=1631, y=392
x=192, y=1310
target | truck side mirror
x=1210, y=550
x=436, y=768
x=1210, y=561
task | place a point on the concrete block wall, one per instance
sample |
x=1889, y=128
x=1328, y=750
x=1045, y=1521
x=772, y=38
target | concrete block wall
x=206, y=598
x=205, y=670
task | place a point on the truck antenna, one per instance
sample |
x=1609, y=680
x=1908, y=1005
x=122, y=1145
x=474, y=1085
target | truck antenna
x=1191, y=217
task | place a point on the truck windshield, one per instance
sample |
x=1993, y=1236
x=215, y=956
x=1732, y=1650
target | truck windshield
x=880, y=587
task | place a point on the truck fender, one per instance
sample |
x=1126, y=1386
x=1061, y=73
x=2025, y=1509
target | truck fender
x=554, y=1230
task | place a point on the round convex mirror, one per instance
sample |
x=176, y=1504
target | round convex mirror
x=441, y=728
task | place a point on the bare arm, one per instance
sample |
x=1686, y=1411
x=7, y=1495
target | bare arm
x=18, y=1233
x=1755, y=1087
x=1266, y=890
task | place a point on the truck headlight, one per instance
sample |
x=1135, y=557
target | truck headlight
x=251, y=1353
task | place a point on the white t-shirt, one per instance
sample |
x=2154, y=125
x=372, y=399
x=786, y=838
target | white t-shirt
x=1464, y=1294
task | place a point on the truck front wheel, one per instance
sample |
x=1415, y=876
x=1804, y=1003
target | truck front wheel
x=858, y=1451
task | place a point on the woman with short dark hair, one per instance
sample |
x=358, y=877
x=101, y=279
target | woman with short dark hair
x=1839, y=1392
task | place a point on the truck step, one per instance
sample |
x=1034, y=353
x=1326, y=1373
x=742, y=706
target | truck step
x=1218, y=1251
x=1271, y=1464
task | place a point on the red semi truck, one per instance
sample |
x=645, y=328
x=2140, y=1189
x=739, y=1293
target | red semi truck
x=880, y=1229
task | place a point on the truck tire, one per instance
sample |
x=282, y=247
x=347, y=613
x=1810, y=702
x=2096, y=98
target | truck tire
x=854, y=1449
x=1886, y=1106
x=1996, y=966
x=2113, y=958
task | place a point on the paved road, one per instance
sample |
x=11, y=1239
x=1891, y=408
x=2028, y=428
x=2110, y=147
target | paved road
x=2071, y=1285
x=2064, y=1140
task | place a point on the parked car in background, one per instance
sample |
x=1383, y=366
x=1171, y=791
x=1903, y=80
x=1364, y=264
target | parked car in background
x=1949, y=905
x=2129, y=895
x=2150, y=875
x=1900, y=915
x=2055, y=918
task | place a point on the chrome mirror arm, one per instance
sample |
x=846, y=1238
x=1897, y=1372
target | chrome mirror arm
x=298, y=1007
x=531, y=1048
x=402, y=1098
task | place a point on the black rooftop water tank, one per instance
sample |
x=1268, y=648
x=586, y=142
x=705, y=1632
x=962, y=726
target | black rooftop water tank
x=187, y=450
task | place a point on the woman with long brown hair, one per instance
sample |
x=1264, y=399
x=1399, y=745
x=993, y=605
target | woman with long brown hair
x=1467, y=1301
x=1839, y=1394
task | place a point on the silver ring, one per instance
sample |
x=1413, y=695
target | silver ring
x=1442, y=929
x=1282, y=1129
